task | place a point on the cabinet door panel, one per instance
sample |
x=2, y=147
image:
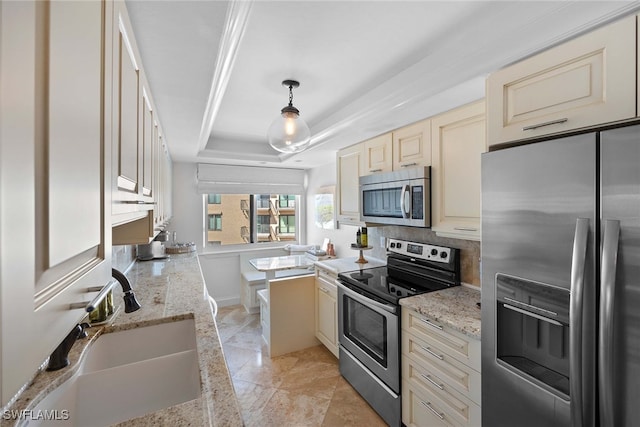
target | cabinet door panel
x=378, y=154
x=458, y=140
x=73, y=172
x=54, y=242
x=412, y=145
x=128, y=116
x=583, y=82
x=147, y=144
x=350, y=161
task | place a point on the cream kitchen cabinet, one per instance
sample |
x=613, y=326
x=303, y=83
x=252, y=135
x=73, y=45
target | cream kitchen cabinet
x=327, y=309
x=140, y=162
x=580, y=83
x=54, y=203
x=412, y=145
x=440, y=374
x=378, y=154
x=458, y=140
x=350, y=166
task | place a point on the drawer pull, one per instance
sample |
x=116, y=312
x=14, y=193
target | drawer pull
x=324, y=290
x=429, y=407
x=428, y=378
x=539, y=125
x=428, y=350
x=375, y=170
x=465, y=229
x=433, y=325
x=406, y=165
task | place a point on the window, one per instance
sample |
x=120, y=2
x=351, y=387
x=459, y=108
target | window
x=287, y=201
x=287, y=224
x=250, y=218
x=215, y=222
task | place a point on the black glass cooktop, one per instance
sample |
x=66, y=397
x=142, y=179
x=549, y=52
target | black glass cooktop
x=384, y=283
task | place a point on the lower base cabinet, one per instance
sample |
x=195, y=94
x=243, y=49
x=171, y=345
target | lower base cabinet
x=327, y=309
x=440, y=374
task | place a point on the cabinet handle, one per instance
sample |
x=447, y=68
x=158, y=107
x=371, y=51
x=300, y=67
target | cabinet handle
x=433, y=325
x=465, y=228
x=375, y=170
x=428, y=350
x=324, y=290
x=428, y=378
x=406, y=165
x=429, y=407
x=539, y=125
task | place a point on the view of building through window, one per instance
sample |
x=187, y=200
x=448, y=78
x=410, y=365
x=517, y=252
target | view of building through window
x=250, y=218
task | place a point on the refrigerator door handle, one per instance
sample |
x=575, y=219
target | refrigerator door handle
x=576, y=305
x=605, y=336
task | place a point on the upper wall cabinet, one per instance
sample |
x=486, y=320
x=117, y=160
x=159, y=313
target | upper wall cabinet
x=349, y=162
x=54, y=202
x=412, y=145
x=378, y=154
x=141, y=197
x=584, y=82
x=458, y=139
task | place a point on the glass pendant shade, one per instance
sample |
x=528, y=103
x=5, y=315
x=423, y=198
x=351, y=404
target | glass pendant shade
x=289, y=133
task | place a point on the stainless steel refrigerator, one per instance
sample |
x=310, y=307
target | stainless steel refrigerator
x=561, y=282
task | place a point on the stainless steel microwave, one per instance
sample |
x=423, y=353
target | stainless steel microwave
x=399, y=198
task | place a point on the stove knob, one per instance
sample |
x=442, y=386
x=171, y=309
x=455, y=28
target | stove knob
x=443, y=254
x=434, y=252
x=393, y=245
x=399, y=245
x=392, y=289
x=399, y=293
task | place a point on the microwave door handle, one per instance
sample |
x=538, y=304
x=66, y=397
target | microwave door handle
x=405, y=201
x=607, y=294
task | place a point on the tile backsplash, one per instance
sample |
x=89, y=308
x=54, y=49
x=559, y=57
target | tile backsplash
x=469, y=250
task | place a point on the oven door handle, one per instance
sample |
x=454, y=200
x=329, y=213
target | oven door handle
x=366, y=301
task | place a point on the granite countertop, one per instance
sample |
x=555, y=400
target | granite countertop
x=454, y=307
x=168, y=290
x=339, y=265
x=281, y=262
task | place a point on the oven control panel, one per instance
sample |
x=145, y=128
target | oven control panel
x=420, y=250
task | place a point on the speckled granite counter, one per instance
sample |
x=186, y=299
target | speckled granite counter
x=339, y=265
x=168, y=290
x=454, y=307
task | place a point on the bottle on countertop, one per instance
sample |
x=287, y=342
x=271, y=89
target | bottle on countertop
x=363, y=237
x=358, y=238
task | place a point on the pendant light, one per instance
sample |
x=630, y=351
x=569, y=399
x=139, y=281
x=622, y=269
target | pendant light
x=289, y=133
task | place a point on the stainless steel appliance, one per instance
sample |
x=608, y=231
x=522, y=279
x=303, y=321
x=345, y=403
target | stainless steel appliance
x=400, y=198
x=560, y=282
x=369, y=317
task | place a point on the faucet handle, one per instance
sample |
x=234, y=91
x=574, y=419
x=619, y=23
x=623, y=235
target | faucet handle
x=83, y=332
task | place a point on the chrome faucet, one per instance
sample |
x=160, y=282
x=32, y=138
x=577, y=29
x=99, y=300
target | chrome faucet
x=130, y=302
x=60, y=356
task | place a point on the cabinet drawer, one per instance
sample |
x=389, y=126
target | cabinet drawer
x=429, y=360
x=451, y=343
x=581, y=83
x=327, y=279
x=422, y=408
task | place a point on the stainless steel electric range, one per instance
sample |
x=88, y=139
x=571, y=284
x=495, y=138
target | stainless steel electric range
x=369, y=317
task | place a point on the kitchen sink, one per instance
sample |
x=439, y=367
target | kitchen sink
x=126, y=374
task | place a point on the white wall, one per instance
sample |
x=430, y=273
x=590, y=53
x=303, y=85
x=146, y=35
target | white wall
x=342, y=238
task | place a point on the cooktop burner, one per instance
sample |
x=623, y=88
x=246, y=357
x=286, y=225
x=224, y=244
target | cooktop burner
x=412, y=269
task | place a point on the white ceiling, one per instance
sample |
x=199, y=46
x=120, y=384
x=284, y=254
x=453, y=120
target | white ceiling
x=365, y=67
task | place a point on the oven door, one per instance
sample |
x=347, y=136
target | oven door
x=369, y=331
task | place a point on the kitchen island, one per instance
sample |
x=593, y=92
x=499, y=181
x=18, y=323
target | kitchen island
x=168, y=289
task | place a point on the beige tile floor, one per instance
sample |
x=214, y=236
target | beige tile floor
x=303, y=388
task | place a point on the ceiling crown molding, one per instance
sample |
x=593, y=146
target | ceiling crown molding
x=234, y=29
